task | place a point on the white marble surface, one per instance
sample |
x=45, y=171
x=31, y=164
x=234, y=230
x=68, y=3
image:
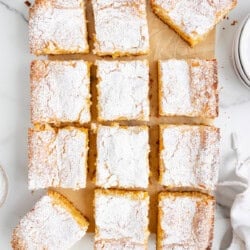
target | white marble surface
x=14, y=110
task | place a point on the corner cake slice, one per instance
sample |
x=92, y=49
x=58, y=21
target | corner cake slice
x=192, y=20
x=58, y=27
x=53, y=223
x=185, y=221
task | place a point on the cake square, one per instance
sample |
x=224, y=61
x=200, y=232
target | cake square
x=57, y=157
x=192, y=20
x=121, y=27
x=58, y=27
x=189, y=156
x=53, y=223
x=121, y=219
x=60, y=91
x=185, y=221
x=188, y=88
x=123, y=90
x=122, y=157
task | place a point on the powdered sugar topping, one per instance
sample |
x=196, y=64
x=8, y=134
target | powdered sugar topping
x=60, y=91
x=47, y=226
x=123, y=90
x=197, y=17
x=57, y=29
x=66, y=3
x=186, y=222
x=58, y=159
x=175, y=81
x=188, y=88
x=118, y=245
x=190, y=156
x=122, y=157
x=120, y=26
x=121, y=218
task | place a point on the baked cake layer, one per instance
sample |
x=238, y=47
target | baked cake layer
x=192, y=20
x=60, y=91
x=188, y=88
x=57, y=158
x=185, y=221
x=122, y=157
x=120, y=27
x=53, y=223
x=121, y=218
x=123, y=89
x=189, y=156
x=58, y=27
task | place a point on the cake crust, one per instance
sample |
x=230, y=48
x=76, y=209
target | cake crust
x=122, y=157
x=185, y=220
x=189, y=157
x=114, y=17
x=192, y=20
x=38, y=229
x=123, y=89
x=188, y=88
x=57, y=157
x=60, y=92
x=58, y=27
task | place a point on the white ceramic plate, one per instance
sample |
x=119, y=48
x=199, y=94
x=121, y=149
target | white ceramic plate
x=244, y=47
x=3, y=186
x=236, y=56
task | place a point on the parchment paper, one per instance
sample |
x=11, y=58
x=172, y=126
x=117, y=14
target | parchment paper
x=164, y=44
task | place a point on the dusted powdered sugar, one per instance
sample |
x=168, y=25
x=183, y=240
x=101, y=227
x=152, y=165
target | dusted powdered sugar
x=58, y=27
x=122, y=157
x=186, y=222
x=65, y=3
x=58, y=159
x=47, y=226
x=121, y=217
x=121, y=27
x=123, y=90
x=188, y=88
x=204, y=83
x=60, y=91
x=189, y=156
x=175, y=82
x=197, y=17
x=118, y=245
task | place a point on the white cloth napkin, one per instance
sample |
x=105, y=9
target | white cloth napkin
x=235, y=193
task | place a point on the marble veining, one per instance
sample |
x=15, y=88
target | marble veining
x=239, y=101
x=14, y=110
x=8, y=7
